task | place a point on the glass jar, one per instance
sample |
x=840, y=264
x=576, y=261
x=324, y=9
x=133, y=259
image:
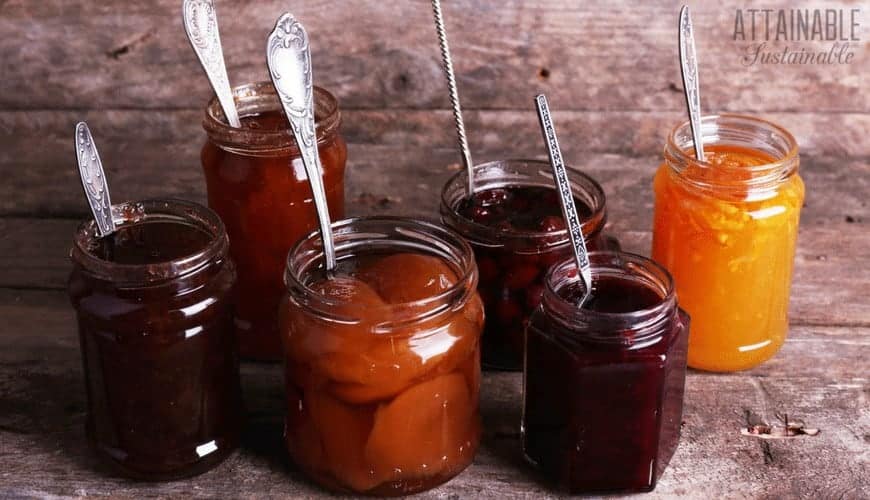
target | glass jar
x=257, y=184
x=155, y=323
x=603, y=384
x=726, y=229
x=382, y=369
x=513, y=262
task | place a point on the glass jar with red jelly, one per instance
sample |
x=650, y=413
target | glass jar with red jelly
x=382, y=357
x=515, y=225
x=161, y=364
x=603, y=381
x=257, y=184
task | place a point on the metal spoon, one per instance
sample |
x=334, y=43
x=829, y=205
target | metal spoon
x=289, y=58
x=454, y=95
x=94, y=180
x=200, y=23
x=689, y=68
x=563, y=187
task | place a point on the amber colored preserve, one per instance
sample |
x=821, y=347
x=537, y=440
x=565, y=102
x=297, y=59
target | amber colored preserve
x=726, y=230
x=257, y=184
x=383, y=357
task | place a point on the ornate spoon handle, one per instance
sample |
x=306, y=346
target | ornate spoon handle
x=94, y=180
x=289, y=58
x=563, y=187
x=689, y=68
x=200, y=23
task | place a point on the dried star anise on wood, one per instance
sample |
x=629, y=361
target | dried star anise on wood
x=787, y=429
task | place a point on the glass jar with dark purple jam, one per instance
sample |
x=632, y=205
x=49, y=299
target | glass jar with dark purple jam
x=603, y=382
x=515, y=225
x=155, y=324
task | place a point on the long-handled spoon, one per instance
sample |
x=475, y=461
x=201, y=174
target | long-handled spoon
x=200, y=23
x=563, y=187
x=94, y=180
x=289, y=58
x=454, y=95
x=689, y=68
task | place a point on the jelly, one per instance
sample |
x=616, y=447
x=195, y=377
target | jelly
x=257, y=184
x=603, y=384
x=383, y=361
x=159, y=354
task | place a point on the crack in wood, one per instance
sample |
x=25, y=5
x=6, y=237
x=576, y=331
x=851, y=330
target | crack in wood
x=128, y=45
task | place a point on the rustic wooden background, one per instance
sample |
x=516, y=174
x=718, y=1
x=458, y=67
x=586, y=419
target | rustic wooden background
x=610, y=70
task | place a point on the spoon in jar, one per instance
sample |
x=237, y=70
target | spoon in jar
x=566, y=198
x=689, y=69
x=454, y=95
x=94, y=180
x=200, y=23
x=289, y=58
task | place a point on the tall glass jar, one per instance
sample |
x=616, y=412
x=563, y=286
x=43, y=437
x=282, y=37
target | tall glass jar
x=155, y=322
x=726, y=229
x=383, y=357
x=257, y=184
x=513, y=262
x=604, y=383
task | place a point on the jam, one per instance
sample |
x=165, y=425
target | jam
x=604, y=383
x=726, y=229
x=159, y=354
x=517, y=232
x=256, y=182
x=383, y=372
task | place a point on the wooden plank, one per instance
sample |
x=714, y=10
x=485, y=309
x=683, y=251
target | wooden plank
x=401, y=154
x=820, y=376
x=383, y=54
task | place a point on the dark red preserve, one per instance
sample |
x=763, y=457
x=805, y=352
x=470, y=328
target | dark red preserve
x=603, y=384
x=514, y=224
x=158, y=348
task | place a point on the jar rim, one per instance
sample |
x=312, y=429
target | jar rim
x=132, y=213
x=581, y=184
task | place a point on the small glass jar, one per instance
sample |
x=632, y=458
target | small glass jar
x=726, y=229
x=603, y=384
x=257, y=184
x=513, y=263
x=382, y=395
x=156, y=329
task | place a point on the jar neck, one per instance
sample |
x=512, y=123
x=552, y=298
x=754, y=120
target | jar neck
x=131, y=214
x=383, y=236
x=629, y=330
x=741, y=131
x=520, y=173
x=257, y=98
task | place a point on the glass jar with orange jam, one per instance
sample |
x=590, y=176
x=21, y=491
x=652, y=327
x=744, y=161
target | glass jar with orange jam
x=726, y=230
x=382, y=357
x=257, y=184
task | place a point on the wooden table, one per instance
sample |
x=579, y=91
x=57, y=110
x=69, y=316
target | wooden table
x=609, y=68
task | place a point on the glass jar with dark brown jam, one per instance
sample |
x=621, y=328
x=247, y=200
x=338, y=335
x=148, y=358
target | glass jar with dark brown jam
x=603, y=383
x=155, y=323
x=257, y=184
x=515, y=225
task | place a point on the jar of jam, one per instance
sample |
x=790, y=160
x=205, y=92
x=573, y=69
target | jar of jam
x=604, y=382
x=155, y=323
x=515, y=225
x=257, y=184
x=726, y=229
x=382, y=357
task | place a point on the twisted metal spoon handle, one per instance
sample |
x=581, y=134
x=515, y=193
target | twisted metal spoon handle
x=94, y=180
x=454, y=94
x=288, y=55
x=691, y=88
x=201, y=26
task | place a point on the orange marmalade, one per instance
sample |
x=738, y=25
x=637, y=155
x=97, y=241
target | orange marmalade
x=726, y=230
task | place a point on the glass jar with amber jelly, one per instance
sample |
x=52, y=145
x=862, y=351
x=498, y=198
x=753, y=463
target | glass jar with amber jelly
x=382, y=357
x=257, y=184
x=726, y=229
